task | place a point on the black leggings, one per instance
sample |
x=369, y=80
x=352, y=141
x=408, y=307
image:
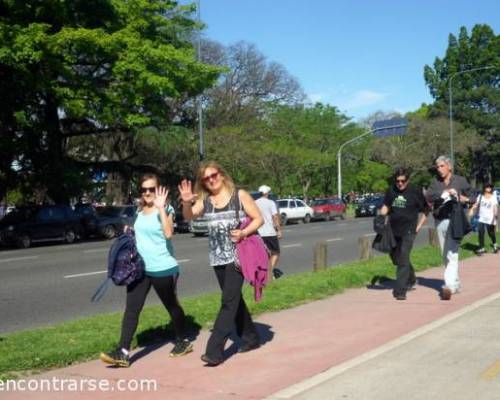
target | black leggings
x=491, y=233
x=137, y=292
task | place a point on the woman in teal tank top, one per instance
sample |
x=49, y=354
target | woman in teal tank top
x=153, y=228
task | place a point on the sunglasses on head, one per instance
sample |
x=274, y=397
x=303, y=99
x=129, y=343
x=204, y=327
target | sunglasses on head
x=210, y=177
x=148, y=189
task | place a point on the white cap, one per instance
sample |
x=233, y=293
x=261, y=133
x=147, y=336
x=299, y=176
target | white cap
x=264, y=189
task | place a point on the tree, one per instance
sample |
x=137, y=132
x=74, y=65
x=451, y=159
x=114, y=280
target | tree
x=476, y=95
x=100, y=67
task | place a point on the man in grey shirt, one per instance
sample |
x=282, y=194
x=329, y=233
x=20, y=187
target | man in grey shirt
x=441, y=193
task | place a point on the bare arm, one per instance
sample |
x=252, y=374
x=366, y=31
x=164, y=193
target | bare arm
x=277, y=225
x=192, y=207
x=253, y=212
x=421, y=222
x=167, y=223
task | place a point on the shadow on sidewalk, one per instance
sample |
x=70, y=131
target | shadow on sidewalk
x=265, y=333
x=379, y=282
x=154, y=338
x=431, y=283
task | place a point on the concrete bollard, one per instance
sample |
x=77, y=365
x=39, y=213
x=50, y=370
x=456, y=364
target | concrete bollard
x=365, y=247
x=320, y=256
x=433, y=237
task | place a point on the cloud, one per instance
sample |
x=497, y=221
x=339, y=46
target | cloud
x=364, y=98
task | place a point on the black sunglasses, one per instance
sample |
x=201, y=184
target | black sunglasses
x=148, y=189
x=401, y=180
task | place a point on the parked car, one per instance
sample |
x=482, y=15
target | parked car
x=369, y=207
x=199, y=226
x=88, y=218
x=27, y=225
x=111, y=220
x=180, y=224
x=328, y=209
x=294, y=210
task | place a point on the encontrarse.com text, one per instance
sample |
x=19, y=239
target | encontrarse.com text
x=78, y=385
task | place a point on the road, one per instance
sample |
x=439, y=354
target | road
x=49, y=284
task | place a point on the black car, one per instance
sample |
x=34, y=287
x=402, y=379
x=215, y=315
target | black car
x=180, y=224
x=112, y=219
x=369, y=207
x=88, y=218
x=27, y=225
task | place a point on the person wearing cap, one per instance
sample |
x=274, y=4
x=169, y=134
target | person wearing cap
x=270, y=231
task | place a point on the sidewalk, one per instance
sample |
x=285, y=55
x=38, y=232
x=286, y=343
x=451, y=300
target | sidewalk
x=328, y=349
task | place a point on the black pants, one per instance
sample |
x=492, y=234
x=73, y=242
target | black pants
x=137, y=292
x=405, y=274
x=233, y=312
x=491, y=233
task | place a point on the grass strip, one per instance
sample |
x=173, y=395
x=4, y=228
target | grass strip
x=28, y=352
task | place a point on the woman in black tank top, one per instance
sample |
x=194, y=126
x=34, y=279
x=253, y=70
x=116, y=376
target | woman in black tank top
x=216, y=198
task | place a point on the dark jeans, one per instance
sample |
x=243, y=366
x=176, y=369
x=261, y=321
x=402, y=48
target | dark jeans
x=165, y=288
x=405, y=274
x=491, y=233
x=233, y=312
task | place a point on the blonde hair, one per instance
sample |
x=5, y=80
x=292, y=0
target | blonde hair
x=200, y=188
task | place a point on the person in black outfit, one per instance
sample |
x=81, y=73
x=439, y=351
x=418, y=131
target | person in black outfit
x=403, y=203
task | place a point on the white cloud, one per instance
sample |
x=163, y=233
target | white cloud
x=364, y=98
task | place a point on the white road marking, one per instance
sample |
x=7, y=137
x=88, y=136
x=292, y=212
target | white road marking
x=342, y=224
x=19, y=259
x=184, y=260
x=334, y=239
x=86, y=274
x=292, y=245
x=371, y=234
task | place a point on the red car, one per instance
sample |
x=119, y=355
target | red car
x=328, y=209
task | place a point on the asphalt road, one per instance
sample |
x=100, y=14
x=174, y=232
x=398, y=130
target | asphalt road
x=48, y=284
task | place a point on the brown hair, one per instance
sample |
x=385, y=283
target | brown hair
x=199, y=186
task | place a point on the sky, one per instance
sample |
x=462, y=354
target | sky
x=360, y=55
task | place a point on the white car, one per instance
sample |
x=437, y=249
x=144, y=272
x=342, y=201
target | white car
x=294, y=210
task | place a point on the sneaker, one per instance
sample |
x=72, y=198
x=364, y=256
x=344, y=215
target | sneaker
x=400, y=296
x=411, y=286
x=277, y=273
x=182, y=347
x=446, y=293
x=116, y=357
x=495, y=249
x=480, y=251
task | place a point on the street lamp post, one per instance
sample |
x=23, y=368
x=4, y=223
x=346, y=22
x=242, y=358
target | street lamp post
x=200, y=110
x=450, y=98
x=393, y=127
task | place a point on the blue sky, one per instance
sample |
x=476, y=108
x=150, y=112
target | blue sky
x=361, y=56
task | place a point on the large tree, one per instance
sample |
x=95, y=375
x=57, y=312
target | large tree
x=476, y=94
x=100, y=67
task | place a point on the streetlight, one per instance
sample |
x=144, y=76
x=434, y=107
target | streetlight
x=391, y=127
x=200, y=110
x=450, y=94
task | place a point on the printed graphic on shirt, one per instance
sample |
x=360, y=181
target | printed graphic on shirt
x=221, y=248
x=399, y=202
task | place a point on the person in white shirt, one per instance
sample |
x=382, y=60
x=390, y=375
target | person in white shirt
x=271, y=230
x=486, y=207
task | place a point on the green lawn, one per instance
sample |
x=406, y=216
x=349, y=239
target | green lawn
x=28, y=352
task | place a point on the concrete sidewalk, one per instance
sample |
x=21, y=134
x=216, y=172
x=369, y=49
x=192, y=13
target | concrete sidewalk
x=322, y=350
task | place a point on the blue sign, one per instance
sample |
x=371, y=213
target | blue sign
x=390, y=127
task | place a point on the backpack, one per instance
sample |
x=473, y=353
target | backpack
x=252, y=257
x=125, y=264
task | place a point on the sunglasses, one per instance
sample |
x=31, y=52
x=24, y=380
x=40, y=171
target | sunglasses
x=148, y=189
x=401, y=180
x=208, y=178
